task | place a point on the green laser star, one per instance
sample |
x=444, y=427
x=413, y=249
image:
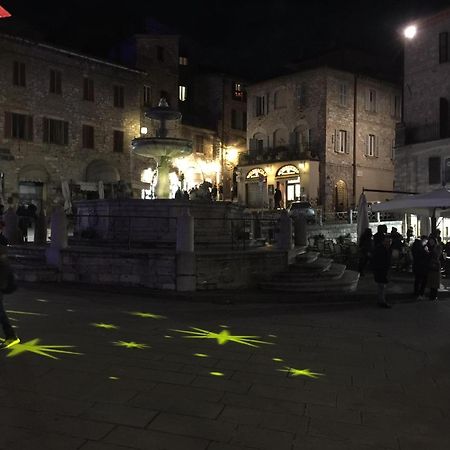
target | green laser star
x=43, y=350
x=106, y=326
x=201, y=355
x=130, y=344
x=223, y=337
x=217, y=374
x=300, y=372
x=147, y=315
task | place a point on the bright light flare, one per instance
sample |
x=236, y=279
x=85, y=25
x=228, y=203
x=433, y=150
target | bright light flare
x=410, y=32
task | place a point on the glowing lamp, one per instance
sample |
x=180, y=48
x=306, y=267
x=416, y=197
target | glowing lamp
x=410, y=32
x=144, y=130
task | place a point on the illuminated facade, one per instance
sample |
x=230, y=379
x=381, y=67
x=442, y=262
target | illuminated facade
x=314, y=139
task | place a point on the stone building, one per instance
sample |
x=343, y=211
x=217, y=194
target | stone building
x=309, y=134
x=65, y=117
x=422, y=156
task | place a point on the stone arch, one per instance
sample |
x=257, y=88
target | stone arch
x=100, y=170
x=34, y=172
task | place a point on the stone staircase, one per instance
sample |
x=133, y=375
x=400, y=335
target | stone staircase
x=29, y=264
x=311, y=273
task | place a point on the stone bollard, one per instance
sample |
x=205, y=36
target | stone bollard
x=300, y=230
x=284, y=241
x=186, y=268
x=40, y=230
x=12, y=231
x=58, y=239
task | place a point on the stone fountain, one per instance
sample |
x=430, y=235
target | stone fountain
x=161, y=147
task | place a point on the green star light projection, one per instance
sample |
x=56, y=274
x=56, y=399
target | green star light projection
x=130, y=344
x=43, y=350
x=146, y=315
x=106, y=326
x=300, y=372
x=223, y=337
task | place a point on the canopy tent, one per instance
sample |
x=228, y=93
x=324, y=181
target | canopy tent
x=432, y=204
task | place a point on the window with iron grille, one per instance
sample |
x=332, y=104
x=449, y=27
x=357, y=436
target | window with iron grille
x=55, y=82
x=88, y=89
x=118, y=141
x=119, y=96
x=55, y=131
x=88, y=136
x=18, y=126
x=19, y=78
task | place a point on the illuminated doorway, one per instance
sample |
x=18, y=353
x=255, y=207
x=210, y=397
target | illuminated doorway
x=341, y=196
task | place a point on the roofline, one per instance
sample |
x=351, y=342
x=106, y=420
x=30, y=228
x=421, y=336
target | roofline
x=69, y=53
x=433, y=18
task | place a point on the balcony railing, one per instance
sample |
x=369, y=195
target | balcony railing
x=269, y=155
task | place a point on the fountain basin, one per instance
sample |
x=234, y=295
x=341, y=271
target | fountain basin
x=155, y=147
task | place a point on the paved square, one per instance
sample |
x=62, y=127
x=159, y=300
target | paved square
x=99, y=371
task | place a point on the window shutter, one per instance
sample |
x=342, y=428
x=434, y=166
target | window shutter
x=376, y=146
x=266, y=100
x=347, y=146
x=45, y=129
x=8, y=124
x=335, y=140
x=66, y=132
x=367, y=144
x=29, y=128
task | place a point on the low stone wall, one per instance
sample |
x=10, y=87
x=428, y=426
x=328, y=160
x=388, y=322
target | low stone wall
x=230, y=270
x=333, y=231
x=152, y=269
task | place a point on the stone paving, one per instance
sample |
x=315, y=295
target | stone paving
x=385, y=382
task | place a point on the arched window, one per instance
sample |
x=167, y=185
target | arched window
x=255, y=173
x=287, y=170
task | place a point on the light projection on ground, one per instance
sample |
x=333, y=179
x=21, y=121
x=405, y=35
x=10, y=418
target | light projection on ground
x=223, y=337
x=278, y=359
x=217, y=374
x=24, y=313
x=168, y=336
x=300, y=372
x=42, y=300
x=201, y=355
x=106, y=326
x=33, y=346
x=146, y=315
x=131, y=344
x=113, y=378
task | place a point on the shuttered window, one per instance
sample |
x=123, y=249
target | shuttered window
x=55, y=82
x=88, y=89
x=55, y=131
x=88, y=136
x=118, y=137
x=119, y=96
x=18, y=126
x=19, y=78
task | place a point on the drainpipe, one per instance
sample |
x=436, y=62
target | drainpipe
x=355, y=115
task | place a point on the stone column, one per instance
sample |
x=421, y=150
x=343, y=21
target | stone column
x=300, y=230
x=58, y=239
x=284, y=241
x=186, y=268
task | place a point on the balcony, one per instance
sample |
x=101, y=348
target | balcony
x=405, y=135
x=272, y=155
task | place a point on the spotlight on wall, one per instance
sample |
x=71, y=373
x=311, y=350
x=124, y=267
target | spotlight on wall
x=410, y=32
x=144, y=130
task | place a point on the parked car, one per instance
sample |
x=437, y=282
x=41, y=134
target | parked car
x=302, y=208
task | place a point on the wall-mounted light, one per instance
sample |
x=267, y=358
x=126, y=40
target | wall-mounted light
x=410, y=32
x=144, y=130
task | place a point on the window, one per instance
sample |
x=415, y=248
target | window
x=238, y=91
x=279, y=99
x=434, y=170
x=199, y=143
x=371, y=100
x=238, y=120
x=182, y=93
x=88, y=89
x=19, y=74
x=56, y=131
x=342, y=142
x=443, y=47
x=183, y=61
x=118, y=137
x=343, y=94
x=119, y=96
x=18, y=126
x=147, y=95
x=371, y=145
x=160, y=53
x=260, y=106
x=88, y=136
x=397, y=106
x=300, y=95
x=55, y=82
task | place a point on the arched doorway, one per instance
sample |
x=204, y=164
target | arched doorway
x=33, y=180
x=100, y=170
x=341, y=196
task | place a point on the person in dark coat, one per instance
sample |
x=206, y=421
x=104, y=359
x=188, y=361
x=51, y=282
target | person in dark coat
x=378, y=237
x=277, y=197
x=420, y=266
x=381, y=263
x=434, y=266
x=365, y=250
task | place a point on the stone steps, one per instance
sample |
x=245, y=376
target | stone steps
x=334, y=271
x=317, y=265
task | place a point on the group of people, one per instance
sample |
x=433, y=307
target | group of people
x=380, y=250
x=205, y=191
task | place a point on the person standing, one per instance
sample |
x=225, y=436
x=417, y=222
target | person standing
x=381, y=263
x=434, y=267
x=365, y=250
x=420, y=266
x=277, y=197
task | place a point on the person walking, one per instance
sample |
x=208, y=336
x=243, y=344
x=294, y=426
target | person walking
x=420, y=266
x=381, y=263
x=277, y=197
x=365, y=250
x=434, y=267
x=5, y=280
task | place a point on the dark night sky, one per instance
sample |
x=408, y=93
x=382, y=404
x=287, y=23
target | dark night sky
x=250, y=36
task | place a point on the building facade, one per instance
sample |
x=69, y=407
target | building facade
x=321, y=135
x=422, y=156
